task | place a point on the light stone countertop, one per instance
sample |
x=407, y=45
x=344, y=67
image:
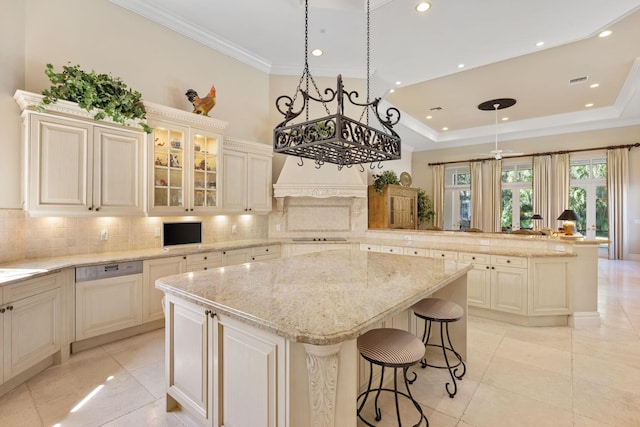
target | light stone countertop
x=30, y=268
x=320, y=298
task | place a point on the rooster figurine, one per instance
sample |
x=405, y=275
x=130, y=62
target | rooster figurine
x=202, y=105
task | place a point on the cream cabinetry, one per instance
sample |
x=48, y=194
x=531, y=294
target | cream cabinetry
x=153, y=269
x=76, y=167
x=108, y=305
x=210, y=356
x=307, y=248
x=204, y=261
x=553, y=294
x=509, y=280
x=478, y=279
x=184, y=165
x=236, y=256
x=247, y=177
x=443, y=254
x=264, y=253
x=33, y=323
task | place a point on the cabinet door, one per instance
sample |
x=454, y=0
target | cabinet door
x=252, y=366
x=236, y=256
x=117, y=166
x=550, y=292
x=204, y=175
x=152, y=270
x=479, y=286
x=188, y=354
x=168, y=156
x=60, y=167
x=509, y=289
x=234, y=169
x=32, y=331
x=108, y=305
x=259, y=183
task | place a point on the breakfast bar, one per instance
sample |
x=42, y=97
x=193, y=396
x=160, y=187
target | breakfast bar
x=274, y=343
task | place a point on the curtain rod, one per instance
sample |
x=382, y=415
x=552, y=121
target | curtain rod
x=546, y=153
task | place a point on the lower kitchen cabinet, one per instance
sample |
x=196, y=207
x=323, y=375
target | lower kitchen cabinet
x=509, y=289
x=33, y=323
x=153, y=269
x=478, y=279
x=210, y=356
x=108, y=305
x=236, y=256
x=552, y=293
x=264, y=253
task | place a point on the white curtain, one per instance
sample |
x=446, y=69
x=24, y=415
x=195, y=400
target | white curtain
x=438, y=195
x=476, y=194
x=559, y=187
x=494, y=210
x=542, y=189
x=617, y=186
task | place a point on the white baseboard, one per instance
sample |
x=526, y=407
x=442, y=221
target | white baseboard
x=584, y=320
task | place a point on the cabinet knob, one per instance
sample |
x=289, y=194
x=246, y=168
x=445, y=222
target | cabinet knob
x=253, y=258
x=493, y=268
x=10, y=307
x=249, y=208
x=442, y=255
x=97, y=209
x=487, y=267
x=205, y=268
x=2, y=310
x=508, y=261
x=90, y=208
x=205, y=257
x=191, y=209
x=415, y=252
x=210, y=313
x=184, y=257
x=473, y=257
x=266, y=250
x=224, y=252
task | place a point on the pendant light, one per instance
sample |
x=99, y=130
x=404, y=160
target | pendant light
x=335, y=138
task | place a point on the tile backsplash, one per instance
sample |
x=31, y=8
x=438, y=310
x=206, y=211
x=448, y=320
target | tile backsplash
x=26, y=237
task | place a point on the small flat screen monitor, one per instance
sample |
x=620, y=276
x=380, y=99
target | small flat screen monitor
x=181, y=233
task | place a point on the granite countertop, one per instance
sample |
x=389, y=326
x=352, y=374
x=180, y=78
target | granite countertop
x=320, y=298
x=29, y=268
x=471, y=248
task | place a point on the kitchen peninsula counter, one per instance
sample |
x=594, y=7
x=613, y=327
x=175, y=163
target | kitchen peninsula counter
x=308, y=310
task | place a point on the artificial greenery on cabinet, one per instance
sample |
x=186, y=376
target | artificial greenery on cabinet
x=108, y=96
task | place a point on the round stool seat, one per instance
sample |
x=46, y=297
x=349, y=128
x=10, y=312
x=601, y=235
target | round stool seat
x=438, y=309
x=391, y=347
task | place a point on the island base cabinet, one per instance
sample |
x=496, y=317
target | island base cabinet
x=152, y=270
x=479, y=286
x=211, y=356
x=552, y=294
x=509, y=290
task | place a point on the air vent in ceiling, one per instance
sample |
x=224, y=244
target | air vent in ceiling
x=578, y=80
x=436, y=109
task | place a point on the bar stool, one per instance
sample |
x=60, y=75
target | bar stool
x=390, y=348
x=442, y=312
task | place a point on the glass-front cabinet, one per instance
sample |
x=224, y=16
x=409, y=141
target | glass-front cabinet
x=185, y=153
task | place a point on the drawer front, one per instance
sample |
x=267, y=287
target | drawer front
x=265, y=250
x=29, y=287
x=509, y=261
x=444, y=254
x=369, y=248
x=474, y=258
x=392, y=249
x=206, y=257
x=265, y=257
x=416, y=252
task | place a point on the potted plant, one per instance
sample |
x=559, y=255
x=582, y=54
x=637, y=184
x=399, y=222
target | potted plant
x=386, y=177
x=106, y=94
x=425, y=207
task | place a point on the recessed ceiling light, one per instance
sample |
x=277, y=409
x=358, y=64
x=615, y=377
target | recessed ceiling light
x=398, y=83
x=460, y=65
x=317, y=52
x=605, y=33
x=589, y=105
x=429, y=117
x=595, y=85
x=445, y=128
x=504, y=119
x=540, y=44
x=423, y=6
x=391, y=90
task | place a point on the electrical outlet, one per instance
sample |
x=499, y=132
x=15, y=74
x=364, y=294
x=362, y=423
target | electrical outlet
x=484, y=242
x=234, y=229
x=277, y=227
x=156, y=232
x=559, y=248
x=104, y=234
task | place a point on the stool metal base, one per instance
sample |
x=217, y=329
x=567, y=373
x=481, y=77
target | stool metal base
x=395, y=391
x=452, y=368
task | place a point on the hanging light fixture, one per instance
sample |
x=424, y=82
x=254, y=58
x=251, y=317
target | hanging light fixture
x=335, y=138
x=495, y=105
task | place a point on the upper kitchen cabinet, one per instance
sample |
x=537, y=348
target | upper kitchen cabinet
x=184, y=161
x=246, y=176
x=75, y=165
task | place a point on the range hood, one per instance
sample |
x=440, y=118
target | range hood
x=324, y=182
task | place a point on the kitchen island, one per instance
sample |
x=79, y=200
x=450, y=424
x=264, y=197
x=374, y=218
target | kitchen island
x=274, y=343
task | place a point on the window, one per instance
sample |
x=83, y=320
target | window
x=517, y=197
x=588, y=196
x=457, y=198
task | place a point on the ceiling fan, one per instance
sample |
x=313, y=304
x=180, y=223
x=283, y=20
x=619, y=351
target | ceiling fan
x=495, y=105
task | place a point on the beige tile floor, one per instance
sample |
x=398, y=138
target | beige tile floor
x=516, y=376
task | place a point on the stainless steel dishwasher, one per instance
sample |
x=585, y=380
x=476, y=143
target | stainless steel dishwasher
x=108, y=298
